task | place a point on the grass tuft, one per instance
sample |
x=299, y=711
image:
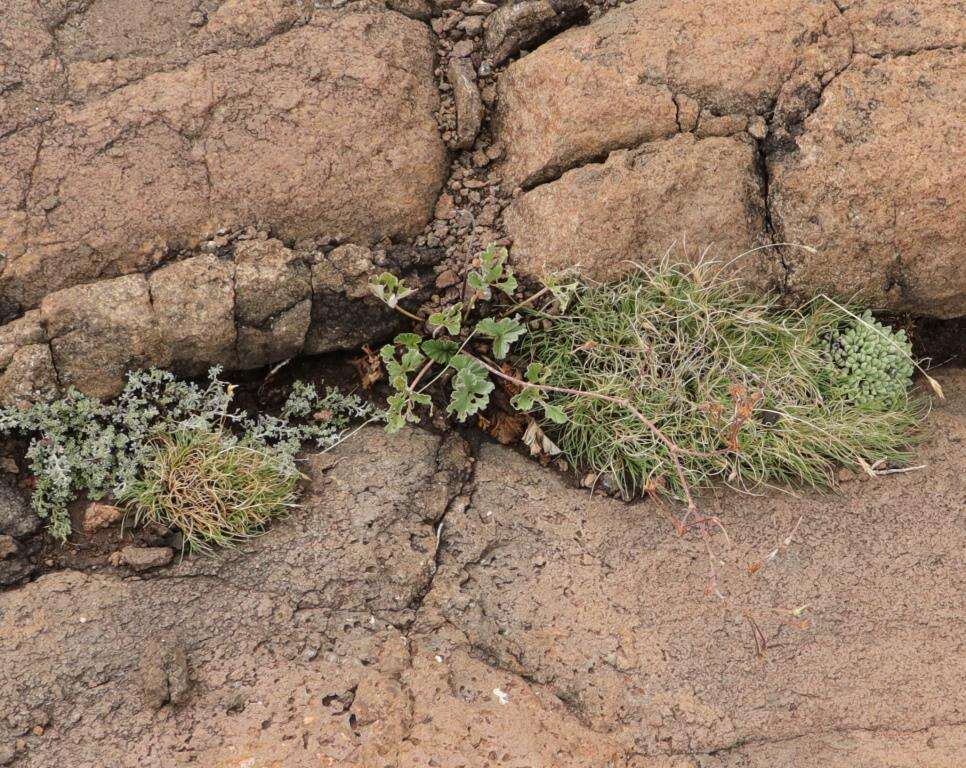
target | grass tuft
x=216, y=490
x=747, y=392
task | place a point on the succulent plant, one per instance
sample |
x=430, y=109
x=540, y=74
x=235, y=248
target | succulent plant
x=874, y=363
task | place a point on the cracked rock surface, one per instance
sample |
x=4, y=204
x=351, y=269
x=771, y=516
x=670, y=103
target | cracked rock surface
x=854, y=112
x=428, y=607
x=324, y=128
x=875, y=178
x=167, y=142
x=597, y=215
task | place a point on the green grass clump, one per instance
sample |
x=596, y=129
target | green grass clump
x=749, y=393
x=216, y=490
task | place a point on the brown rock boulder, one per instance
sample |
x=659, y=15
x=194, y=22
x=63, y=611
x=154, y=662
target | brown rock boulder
x=613, y=83
x=254, y=303
x=273, y=286
x=874, y=182
x=326, y=129
x=904, y=26
x=99, y=332
x=194, y=306
x=26, y=368
x=636, y=205
x=29, y=377
x=344, y=313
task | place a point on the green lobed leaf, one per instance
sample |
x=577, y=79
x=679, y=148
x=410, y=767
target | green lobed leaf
x=471, y=387
x=526, y=400
x=389, y=288
x=440, y=350
x=503, y=332
x=449, y=318
x=410, y=340
x=554, y=413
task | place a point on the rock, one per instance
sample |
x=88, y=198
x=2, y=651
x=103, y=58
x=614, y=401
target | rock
x=25, y=331
x=514, y=25
x=261, y=304
x=872, y=180
x=535, y=560
x=273, y=290
x=235, y=137
x=462, y=49
x=899, y=26
x=612, y=84
x=30, y=376
x=446, y=278
x=444, y=207
x=97, y=516
x=194, y=306
x=142, y=558
x=14, y=565
x=164, y=674
x=481, y=8
x=17, y=519
x=100, y=331
x=8, y=547
x=720, y=125
x=26, y=369
x=414, y=9
x=640, y=203
x=472, y=26
x=344, y=312
x=469, y=105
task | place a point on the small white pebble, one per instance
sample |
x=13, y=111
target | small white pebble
x=439, y=659
x=501, y=696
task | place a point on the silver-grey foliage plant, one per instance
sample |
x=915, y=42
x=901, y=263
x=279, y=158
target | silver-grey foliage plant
x=82, y=445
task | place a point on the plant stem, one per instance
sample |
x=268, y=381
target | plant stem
x=525, y=302
x=422, y=372
x=406, y=313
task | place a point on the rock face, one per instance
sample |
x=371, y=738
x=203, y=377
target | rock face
x=901, y=27
x=324, y=129
x=874, y=181
x=488, y=614
x=600, y=215
x=615, y=83
x=18, y=523
x=143, y=148
x=259, y=304
x=249, y=164
x=99, y=332
x=856, y=124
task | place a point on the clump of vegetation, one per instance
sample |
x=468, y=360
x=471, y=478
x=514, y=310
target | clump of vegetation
x=80, y=445
x=874, y=362
x=411, y=357
x=216, y=489
x=667, y=380
x=673, y=377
